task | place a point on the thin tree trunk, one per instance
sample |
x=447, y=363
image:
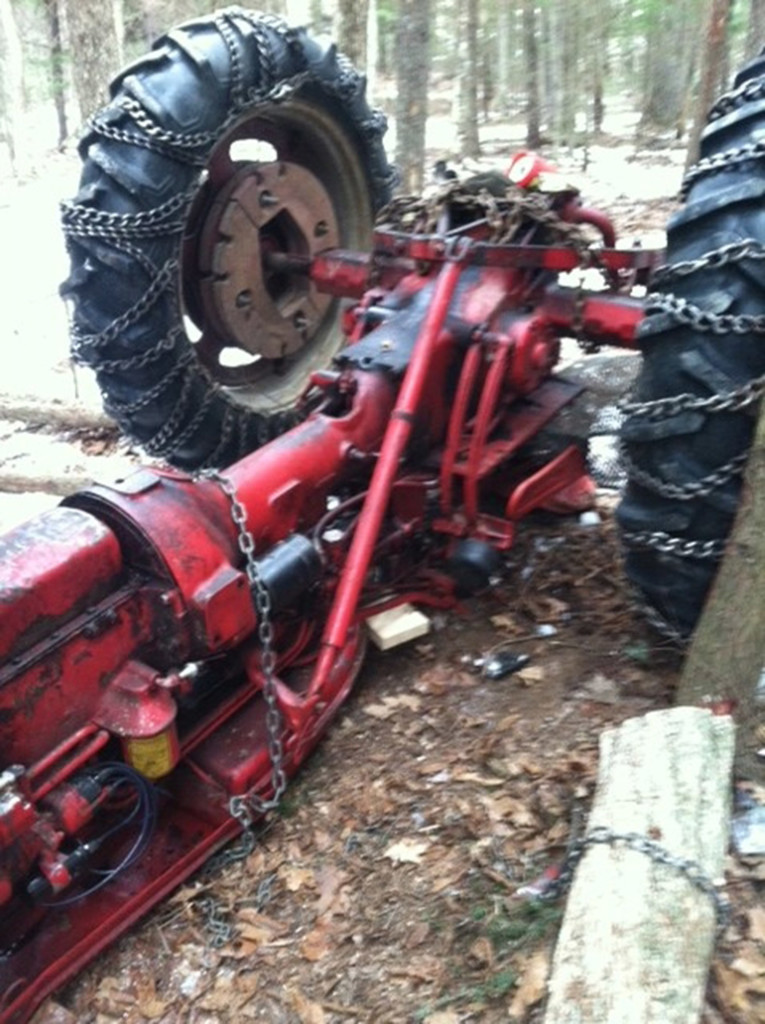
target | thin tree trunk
x=412, y=56
x=11, y=79
x=531, y=56
x=468, y=121
x=504, y=32
x=95, y=51
x=755, y=31
x=56, y=66
x=352, y=30
x=714, y=54
x=373, y=48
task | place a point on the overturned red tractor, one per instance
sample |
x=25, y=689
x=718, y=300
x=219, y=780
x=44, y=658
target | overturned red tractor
x=173, y=645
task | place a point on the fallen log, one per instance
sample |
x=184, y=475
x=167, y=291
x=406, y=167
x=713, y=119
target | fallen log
x=638, y=932
x=39, y=412
x=32, y=483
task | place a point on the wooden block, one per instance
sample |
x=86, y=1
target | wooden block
x=396, y=626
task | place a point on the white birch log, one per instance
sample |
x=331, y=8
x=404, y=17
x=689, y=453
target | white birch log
x=637, y=935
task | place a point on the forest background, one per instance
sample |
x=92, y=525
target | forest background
x=556, y=67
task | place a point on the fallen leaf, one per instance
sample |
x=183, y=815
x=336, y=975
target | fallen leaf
x=533, y=984
x=481, y=953
x=316, y=944
x=756, y=923
x=294, y=878
x=417, y=934
x=750, y=966
x=308, y=1012
x=381, y=711
x=530, y=675
x=601, y=690
x=257, y=928
x=406, y=851
x=443, y=1017
x=329, y=880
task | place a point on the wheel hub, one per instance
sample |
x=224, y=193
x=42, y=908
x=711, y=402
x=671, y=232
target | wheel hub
x=248, y=300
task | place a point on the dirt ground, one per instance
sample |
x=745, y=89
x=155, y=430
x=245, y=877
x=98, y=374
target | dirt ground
x=387, y=888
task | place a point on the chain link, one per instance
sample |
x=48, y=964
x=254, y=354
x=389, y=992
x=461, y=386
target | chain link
x=503, y=215
x=601, y=836
x=694, y=488
x=699, y=319
x=726, y=401
x=244, y=807
x=723, y=161
x=733, y=252
x=753, y=89
x=706, y=550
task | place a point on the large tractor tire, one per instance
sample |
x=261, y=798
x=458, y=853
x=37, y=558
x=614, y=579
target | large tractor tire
x=235, y=140
x=689, y=427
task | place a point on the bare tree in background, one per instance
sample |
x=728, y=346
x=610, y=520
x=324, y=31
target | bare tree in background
x=93, y=40
x=352, y=30
x=412, y=58
x=714, y=56
x=531, y=60
x=467, y=24
x=11, y=79
x=755, y=30
x=672, y=42
x=56, y=68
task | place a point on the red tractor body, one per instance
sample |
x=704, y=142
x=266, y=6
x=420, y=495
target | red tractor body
x=172, y=646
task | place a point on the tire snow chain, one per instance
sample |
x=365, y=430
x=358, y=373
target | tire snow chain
x=752, y=89
x=722, y=162
x=694, y=488
x=711, y=550
x=727, y=401
x=685, y=312
x=734, y=252
x=602, y=836
x=89, y=343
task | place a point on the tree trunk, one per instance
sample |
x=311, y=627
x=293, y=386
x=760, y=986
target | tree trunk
x=755, y=31
x=412, y=67
x=637, y=936
x=531, y=58
x=95, y=51
x=668, y=49
x=468, y=120
x=711, y=69
x=56, y=68
x=504, y=41
x=352, y=30
x=11, y=79
x=373, y=48
x=728, y=648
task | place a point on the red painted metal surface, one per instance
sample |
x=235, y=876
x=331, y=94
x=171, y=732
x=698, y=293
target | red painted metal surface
x=132, y=679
